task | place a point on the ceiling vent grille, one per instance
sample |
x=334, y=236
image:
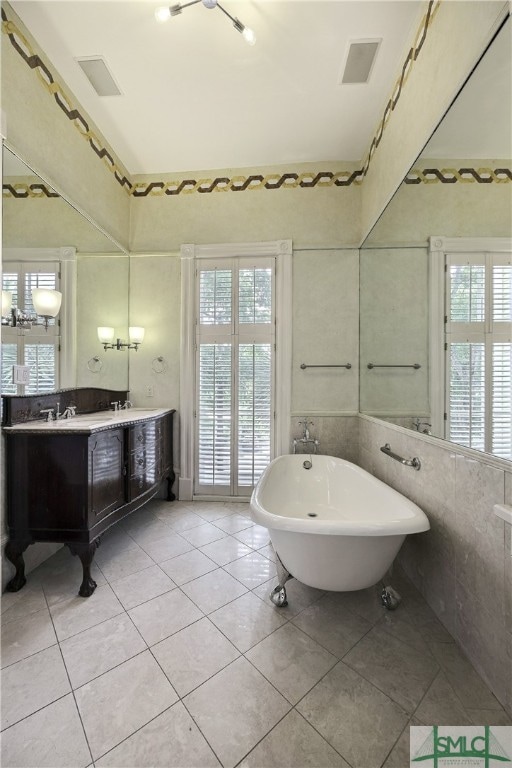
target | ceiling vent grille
x=97, y=72
x=359, y=62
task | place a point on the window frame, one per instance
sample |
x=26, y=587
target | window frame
x=440, y=250
x=281, y=252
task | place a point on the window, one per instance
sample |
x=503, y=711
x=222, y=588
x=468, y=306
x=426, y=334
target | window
x=34, y=347
x=234, y=374
x=478, y=347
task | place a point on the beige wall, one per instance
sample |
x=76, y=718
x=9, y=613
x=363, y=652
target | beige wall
x=458, y=35
x=38, y=128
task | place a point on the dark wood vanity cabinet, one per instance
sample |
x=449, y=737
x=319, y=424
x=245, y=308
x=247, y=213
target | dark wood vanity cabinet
x=70, y=487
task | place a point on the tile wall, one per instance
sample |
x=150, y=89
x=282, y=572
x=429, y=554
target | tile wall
x=463, y=565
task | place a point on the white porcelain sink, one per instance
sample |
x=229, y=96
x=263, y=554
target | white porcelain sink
x=94, y=418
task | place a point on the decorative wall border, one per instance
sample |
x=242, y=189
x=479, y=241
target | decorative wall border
x=288, y=180
x=23, y=191
x=462, y=175
x=33, y=60
x=411, y=57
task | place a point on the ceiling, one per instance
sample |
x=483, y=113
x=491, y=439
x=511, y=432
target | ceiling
x=196, y=96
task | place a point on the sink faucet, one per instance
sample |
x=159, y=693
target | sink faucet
x=116, y=405
x=127, y=404
x=68, y=413
x=49, y=412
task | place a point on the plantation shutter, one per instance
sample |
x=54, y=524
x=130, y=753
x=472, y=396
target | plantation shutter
x=479, y=352
x=235, y=348
x=36, y=347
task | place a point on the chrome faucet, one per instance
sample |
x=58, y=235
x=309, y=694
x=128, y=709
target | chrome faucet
x=49, y=412
x=306, y=437
x=116, y=405
x=68, y=413
x=127, y=404
x=417, y=424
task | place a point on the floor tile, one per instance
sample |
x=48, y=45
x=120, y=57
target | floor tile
x=337, y=629
x=363, y=602
x=17, y=605
x=117, y=566
x=252, y=569
x=245, y=708
x=193, y=655
x=233, y=523
x=171, y=740
x=291, y=661
x=299, y=596
x=466, y=683
x=166, y=547
x=50, y=738
x=95, y=651
x=119, y=702
x=405, y=676
x=360, y=722
x=79, y=613
x=440, y=705
x=256, y=536
x=31, y=684
x=399, y=757
x=183, y=520
x=268, y=551
x=246, y=621
x=394, y=624
x=116, y=540
x=213, y=590
x=188, y=566
x=164, y=615
x=420, y=615
x=145, y=534
x=489, y=717
x=225, y=550
x=203, y=534
x=211, y=511
x=61, y=577
x=26, y=636
x=142, y=586
x=292, y=743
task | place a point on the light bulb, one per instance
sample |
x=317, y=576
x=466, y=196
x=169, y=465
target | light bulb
x=136, y=334
x=46, y=301
x=248, y=35
x=163, y=14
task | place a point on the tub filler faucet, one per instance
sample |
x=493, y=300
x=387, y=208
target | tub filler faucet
x=306, y=438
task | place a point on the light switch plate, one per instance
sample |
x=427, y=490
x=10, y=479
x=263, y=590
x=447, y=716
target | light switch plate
x=21, y=374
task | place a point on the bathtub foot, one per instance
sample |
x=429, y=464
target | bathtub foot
x=278, y=594
x=278, y=597
x=390, y=598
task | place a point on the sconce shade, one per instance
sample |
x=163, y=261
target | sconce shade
x=106, y=334
x=46, y=301
x=136, y=334
x=6, y=303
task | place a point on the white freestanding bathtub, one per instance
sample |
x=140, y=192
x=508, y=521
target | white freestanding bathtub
x=333, y=526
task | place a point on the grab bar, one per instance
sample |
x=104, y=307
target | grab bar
x=304, y=366
x=374, y=365
x=415, y=462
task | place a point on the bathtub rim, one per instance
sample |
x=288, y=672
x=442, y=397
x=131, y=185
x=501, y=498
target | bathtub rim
x=418, y=523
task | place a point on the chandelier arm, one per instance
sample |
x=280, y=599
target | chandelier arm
x=186, y=5
x=228, y=15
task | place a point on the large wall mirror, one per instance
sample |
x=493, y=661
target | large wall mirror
x=436, y=276
x=47, y=242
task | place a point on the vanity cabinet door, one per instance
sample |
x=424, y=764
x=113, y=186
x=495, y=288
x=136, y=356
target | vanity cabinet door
x=144, y=458
x=106, y=473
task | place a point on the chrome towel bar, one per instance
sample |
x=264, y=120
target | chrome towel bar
x=415, y=462
x=304, y=366
x=374, y=365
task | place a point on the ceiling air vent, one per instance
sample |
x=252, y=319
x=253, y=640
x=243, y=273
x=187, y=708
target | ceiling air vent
x=360, y=60
x=98, y=74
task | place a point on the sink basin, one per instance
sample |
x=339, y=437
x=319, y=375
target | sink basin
x=94, y=418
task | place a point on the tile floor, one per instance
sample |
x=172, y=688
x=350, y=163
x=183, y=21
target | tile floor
x=180, y=659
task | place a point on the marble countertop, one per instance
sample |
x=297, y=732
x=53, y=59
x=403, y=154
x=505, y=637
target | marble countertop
x=89, y=422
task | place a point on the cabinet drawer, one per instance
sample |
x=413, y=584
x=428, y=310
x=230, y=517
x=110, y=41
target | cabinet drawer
x=144, y=479
x=144, y=434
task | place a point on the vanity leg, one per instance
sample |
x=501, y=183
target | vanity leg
x=86, y=554
x=14, y=550
x=170, y=481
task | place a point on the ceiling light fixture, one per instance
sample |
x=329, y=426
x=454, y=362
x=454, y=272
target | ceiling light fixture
x=165, y=13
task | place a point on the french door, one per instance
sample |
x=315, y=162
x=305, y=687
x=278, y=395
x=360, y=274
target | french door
x=234, y=383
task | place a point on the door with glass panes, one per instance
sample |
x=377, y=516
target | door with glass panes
x=235, y=345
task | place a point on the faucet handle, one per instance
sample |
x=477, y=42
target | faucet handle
x=50, y=413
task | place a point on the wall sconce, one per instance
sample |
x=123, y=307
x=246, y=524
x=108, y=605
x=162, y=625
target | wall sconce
x=46, y=303
x=106, y=335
